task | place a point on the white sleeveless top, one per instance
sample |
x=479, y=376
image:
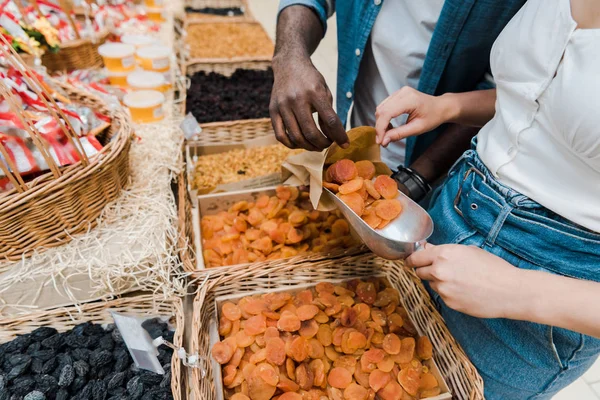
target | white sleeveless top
x=544, y=140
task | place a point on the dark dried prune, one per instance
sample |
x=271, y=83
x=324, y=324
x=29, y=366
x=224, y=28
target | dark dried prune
x=18, y=370
x=81, y=368
x=43, y=355
x=53, y=342
x=46, y=383
x=99, y=358
x=135, y=388
x=42, y=333
x=17, y=359
x=23, y=385
x=67, y=375
x=62, y=394
x=106, y=342
x=49, y=366
x=35, y=395
x=78, y=384
x=115, y=380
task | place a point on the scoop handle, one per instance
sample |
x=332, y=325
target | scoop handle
x=420, y=246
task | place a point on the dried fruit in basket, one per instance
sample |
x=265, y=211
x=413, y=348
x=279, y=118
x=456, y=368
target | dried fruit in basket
x=314, y=353
x=228, y=40
x=282, y=226
x=372, y=199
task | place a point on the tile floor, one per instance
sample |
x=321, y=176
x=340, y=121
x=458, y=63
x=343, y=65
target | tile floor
x=325, y=59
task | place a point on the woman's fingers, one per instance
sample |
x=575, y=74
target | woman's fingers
x=423, y=258
x=411, y=128
x=425, y=273
x=390, y=109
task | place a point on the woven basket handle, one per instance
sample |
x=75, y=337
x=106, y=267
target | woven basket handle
x=67, y=7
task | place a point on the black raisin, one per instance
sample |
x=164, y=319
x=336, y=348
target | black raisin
x=53, y=342
x=106, y=342
x=81, y=368
x=120, y=391
x=81, y=354
x=23, y=385
x=18, y=344
x=103, y=372
x=100, y=358
x=91, y=329
x=150, y=378
x=44, y=355
x=35, y=395
x=42, y=333
x=17, y=359
x=62, y=394
x=49, y=366
x=33, y=347
x=75, y=341
x=67, y=375
x=116, y=336
x=98, y=390
x=122, y=360
x=46, y=383
x=93, y=342
x=18, y=370
x=78, y=384
x=4, y=395
x=166, y=380
x=64, y=359
x=86, y=392
x=115, y=380
x=2, y=382
x=135, y=388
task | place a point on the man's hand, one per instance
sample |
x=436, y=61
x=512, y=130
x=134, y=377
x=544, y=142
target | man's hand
x=298, y=91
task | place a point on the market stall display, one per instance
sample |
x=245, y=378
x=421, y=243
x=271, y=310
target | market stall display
x=78, y=353
x=222, y=41
x=212, y=10
x=298, y=277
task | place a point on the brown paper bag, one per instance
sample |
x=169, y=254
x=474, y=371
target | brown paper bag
x=308, y=168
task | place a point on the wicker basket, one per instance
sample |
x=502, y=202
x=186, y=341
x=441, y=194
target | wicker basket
x=225, y=132
x=67, y=318
x=192, y=17
x=76, y=54
x=46, y=211
x=458, y=372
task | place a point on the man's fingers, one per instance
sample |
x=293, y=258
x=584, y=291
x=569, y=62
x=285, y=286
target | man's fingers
x=309, y=129
x=411, y=128
x=294, y=132
x=279, y=129
x=423, y=258
x=330, y=123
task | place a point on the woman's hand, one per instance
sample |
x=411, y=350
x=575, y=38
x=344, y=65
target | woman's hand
x=470, y=280
x=425, y=113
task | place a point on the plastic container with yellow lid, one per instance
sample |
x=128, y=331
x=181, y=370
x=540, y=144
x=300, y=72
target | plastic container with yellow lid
x=118, y=57
x=145, y=105
x=154, y=58
x=118, y=78
x=156, y=14
x=138, y=40
x=147, y=80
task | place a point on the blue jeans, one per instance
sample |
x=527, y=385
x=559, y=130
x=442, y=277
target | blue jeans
x=516, y=359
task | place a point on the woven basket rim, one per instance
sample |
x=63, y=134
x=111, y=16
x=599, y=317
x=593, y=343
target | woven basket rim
x=102, y=35
x=76, y=171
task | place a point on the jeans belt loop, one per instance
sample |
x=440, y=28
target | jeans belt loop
x=459, y=192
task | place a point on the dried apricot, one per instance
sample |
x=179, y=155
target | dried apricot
x=363, y=311
x=366, y=365
x=297, y=218
x=395, y=322
x=289, y=396
x=354, y=201
x=271, y=332
x=229, y=373
x=407, y=351
x=309, y=328
x=275, y=350
x=259, y=356
x=356, y=340
x=334, y=393
x=318, y=371
x=258, y=389
x=424, y=348
x=324, y=335
x=379, y=379
x=410, y=380
x=275, y=301
x=264, y=245
x=379, y=317
x=355, y=392
x=370, y=186
x=372, y=220
x=331, y=353
x=235, y=328
x=348, y=317
x=388, y=209
x=307, y=311
x=343, y=171
x=287, y=385
x=392, y=344
x=362, y=378
x=288, y=322
x=283, y=192
x=304, y=376
x=339, y=378
x=321, y=317
x=299, y=349
x=366, y=169
x=243, y=340
x=386, y=365
x=222, y=353
x=256, y=325
x=387, y=296
x=428, y=381
x=334, y=187
x=231, y=311
x=224, y=326
x=290, y=369
x=352, y=186
x=304, y=297
x=386, y=186
x=294, y=235
x=430, y=393
x=348, y=362
x=391, y=391
x=239, y=396
x=340, y=228
x=366, y=292
x=374, y=355
x=268, y=373
x=315, y=348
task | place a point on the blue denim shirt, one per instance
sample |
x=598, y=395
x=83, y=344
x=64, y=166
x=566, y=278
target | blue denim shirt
x=457, y=59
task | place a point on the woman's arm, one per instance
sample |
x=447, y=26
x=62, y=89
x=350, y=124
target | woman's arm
x=478, y=283
x=426, y=112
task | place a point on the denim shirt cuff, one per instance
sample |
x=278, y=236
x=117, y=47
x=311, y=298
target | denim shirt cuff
x=318, y=6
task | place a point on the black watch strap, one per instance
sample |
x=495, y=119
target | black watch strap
x=417, y=186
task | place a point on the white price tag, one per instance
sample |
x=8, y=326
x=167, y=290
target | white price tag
x=138, y=342
x=190, y=127
x=128, y=61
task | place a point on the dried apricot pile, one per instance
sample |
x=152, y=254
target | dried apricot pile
x=273, y=227
x=370, y=197
x=348, y=341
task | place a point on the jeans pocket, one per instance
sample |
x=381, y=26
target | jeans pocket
x=554, y=348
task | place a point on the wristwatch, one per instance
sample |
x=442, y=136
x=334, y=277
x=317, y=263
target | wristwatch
x=417, y=186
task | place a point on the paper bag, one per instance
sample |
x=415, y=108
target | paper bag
x=308, y=168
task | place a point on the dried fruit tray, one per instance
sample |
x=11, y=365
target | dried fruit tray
x=218, y=173
x=66, y=318
x=191, y=17
x=459, y=375
x=212, y=204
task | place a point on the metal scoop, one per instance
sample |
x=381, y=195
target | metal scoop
x=402, y=237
